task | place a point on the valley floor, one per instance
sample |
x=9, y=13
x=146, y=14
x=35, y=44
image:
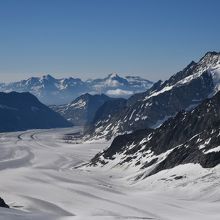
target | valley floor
x=39, y=180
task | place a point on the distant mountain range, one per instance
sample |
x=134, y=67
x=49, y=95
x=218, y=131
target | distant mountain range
x=23, y=111
x=53, y=91
x=182, y=91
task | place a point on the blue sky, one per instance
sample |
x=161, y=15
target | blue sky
x=92, y=38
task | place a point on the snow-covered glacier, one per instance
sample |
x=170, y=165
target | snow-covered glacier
x=42, y=178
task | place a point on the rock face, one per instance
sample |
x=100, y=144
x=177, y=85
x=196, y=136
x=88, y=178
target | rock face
x=183, y=91
x=83, y=109
x=53, y=91
x=107, y=112
x=109, y=109
x=189, y=137
x=22, y=111
x=3, y=204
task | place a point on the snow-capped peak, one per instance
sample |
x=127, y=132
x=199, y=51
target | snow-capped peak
x=210, y=59
x=209, y=62
x=113, y=75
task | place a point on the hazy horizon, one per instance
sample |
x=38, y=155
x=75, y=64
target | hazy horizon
x=91, y=39
x=86, y=76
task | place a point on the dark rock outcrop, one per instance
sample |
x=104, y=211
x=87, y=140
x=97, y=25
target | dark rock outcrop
x=3, y=204
x=22, y=111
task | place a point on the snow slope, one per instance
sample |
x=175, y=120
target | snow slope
x=40, y=180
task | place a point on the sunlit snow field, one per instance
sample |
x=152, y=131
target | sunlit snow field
x=39, y=180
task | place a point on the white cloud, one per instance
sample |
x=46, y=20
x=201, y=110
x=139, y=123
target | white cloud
x=119, y=92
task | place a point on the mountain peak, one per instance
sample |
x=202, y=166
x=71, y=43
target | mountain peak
x=212, y=53
x=48, y=77
x=113, y=75
x=211, y=57
x=85, y=95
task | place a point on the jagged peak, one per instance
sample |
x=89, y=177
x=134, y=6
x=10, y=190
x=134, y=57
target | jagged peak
x=47, y=77
x=113, y=75
x=192, y=63
x=210, y=55
x=88, y=95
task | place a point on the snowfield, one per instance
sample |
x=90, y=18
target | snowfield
x=40, y=180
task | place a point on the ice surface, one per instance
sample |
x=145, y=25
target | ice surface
x=40, y=180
